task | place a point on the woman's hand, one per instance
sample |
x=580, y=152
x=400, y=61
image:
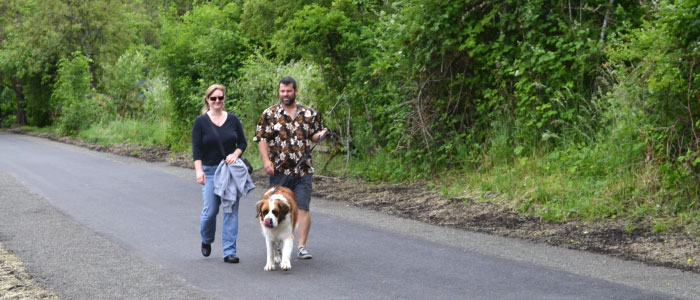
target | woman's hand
x=200, y=176
x=198, y=172
x=231, y=158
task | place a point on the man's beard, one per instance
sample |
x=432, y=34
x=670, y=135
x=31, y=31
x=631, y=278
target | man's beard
x=288, y=101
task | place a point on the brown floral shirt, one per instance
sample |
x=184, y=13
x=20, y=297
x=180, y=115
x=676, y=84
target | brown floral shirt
x=288, y=138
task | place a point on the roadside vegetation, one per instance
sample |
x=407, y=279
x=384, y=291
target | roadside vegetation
x=565, y=110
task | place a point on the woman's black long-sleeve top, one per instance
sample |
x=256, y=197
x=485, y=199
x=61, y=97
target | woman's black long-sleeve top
x=205, y=145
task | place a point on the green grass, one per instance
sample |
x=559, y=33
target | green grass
x=558, y=194
x=137, y=132
x=39, y=129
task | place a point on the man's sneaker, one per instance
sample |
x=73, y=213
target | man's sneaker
x=303, y=254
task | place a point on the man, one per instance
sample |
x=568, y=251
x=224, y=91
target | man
x=284, y=134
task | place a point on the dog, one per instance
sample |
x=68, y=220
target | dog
x=277, y=217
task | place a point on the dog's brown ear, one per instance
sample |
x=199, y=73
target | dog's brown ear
x=284, y=210
x=258, y=209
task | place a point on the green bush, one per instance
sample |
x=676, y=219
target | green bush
x=157, y=101
x=256, y=88
x=7, y=121
x=75, y=110
x=123, y=81
x=200, y=48
x=79, y=115
x=8, y=107
x=654, y=107
x=41, y=108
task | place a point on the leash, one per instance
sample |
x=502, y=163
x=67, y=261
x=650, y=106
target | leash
x=303, y=158
x=306, y=155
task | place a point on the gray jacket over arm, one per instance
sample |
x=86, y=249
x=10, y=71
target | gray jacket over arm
x=232, y=182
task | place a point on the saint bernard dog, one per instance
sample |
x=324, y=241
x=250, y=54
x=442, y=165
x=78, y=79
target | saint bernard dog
x=277, y=216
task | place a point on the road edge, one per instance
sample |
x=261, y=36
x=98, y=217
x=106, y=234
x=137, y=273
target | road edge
x=73, y=261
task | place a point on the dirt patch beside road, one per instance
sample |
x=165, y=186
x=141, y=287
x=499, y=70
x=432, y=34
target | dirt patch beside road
x=414, y=201
x=16, y=283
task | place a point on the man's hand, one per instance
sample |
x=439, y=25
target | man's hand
x=269, y=167
x=317, y=137
x=267, y=164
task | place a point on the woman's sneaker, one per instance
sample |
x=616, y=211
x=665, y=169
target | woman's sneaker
x=303, y=254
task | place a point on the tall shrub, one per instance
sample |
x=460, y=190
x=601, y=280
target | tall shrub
x=200, y=48
x=70, y=93
x=256, y=88
x=657, y=99
x=467, y=72
x=338, y=39
x=124, y=81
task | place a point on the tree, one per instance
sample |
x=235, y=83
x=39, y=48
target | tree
x=202, y=47
x=101, y=29
x=260, y=19
x=36, y=34
x=25, y=49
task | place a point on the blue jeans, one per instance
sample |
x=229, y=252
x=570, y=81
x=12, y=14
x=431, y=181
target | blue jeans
x=207, y=221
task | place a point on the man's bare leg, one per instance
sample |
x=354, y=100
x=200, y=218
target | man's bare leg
x=303, y=226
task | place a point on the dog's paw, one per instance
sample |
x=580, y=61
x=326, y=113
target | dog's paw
x=286, y=265
x=269, y=267
x=278, y=254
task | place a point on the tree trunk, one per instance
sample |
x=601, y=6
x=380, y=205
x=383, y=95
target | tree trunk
x=20, y=115
x=605, y=20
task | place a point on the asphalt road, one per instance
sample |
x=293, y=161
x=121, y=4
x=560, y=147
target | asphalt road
x=92, y=225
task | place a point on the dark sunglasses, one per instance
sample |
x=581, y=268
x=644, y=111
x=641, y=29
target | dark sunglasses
x=220, y=98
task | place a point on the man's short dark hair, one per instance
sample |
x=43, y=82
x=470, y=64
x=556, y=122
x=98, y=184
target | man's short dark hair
x=287, y=80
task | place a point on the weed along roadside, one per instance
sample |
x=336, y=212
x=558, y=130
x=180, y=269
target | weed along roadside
x=670, y=248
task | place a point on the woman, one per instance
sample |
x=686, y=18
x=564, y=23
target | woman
x=207, y=155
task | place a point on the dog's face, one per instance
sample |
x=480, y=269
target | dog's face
x=273, y=210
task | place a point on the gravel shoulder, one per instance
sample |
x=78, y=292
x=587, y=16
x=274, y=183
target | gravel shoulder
x=679, y=250
x=52, y=252
x=16, y=282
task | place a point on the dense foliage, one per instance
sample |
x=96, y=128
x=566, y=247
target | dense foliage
x=202, y=47
x=530, y=99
